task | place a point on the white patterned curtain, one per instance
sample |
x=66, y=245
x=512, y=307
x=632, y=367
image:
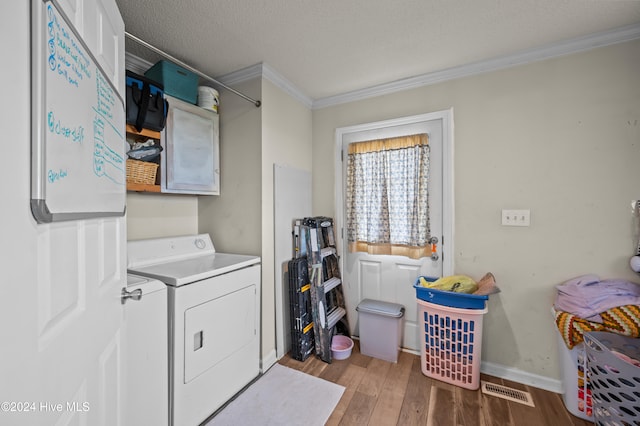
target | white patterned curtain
x=387, y=196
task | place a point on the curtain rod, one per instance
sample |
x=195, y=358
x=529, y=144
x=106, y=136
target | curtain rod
x=190, y=68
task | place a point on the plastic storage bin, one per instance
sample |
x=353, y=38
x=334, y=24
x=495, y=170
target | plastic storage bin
x=615, y=381
x=449, y=298
x=177, y=81
x=380, y=329
x=576, y=389
x=451, y=343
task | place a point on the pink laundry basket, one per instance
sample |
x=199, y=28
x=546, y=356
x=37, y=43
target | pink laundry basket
x=451, y=343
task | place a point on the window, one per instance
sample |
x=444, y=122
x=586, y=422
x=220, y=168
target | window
x=387, y=196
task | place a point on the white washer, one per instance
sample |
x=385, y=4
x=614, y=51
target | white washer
x=214, y=320
x=146, y=358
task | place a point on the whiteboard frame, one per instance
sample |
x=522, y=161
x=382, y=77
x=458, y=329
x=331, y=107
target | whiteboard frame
x=39, y=207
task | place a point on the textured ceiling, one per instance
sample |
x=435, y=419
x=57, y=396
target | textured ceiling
x=330, y=47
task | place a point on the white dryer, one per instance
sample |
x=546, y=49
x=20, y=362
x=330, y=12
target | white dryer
x=214, y=320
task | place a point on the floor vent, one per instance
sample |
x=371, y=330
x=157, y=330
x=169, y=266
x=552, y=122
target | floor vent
x=505, y=392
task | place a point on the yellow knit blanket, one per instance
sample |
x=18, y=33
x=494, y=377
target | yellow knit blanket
x=624, y=320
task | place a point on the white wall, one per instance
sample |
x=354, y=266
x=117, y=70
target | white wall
x=560, y=137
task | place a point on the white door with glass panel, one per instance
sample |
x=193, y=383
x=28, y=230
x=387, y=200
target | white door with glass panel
x=387, y=270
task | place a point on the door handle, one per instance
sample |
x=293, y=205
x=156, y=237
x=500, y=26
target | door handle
x=434, y=248
x=134, y=295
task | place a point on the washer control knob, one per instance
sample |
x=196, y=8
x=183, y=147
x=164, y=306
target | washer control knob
x=200, y=243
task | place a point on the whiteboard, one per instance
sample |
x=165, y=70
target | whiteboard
x=78, y=167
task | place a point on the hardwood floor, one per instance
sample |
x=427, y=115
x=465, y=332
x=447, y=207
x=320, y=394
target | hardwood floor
x=382, y=393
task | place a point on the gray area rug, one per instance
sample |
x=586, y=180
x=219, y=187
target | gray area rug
x=282, y=396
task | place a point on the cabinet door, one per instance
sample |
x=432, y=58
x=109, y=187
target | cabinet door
x=191, y=157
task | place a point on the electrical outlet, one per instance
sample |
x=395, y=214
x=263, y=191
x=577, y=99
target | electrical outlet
x=516, y=217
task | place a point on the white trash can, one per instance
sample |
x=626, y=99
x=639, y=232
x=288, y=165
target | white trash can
x=380, y=329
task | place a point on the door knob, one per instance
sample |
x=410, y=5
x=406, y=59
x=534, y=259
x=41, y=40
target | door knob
x=134, y=295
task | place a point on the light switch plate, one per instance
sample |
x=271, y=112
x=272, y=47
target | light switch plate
x=516, y=217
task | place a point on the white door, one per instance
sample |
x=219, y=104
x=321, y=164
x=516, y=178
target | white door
x=60, y=309
x=391, y=278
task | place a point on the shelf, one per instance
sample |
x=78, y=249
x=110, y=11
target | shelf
x=144, y=132
x=142, y=187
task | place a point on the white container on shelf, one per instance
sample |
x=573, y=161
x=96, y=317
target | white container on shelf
x=208, y=98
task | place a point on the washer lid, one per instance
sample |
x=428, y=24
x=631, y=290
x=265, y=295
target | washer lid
x=378, y=307
x=185, y=271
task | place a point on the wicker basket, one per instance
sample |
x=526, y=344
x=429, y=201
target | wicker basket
x=141, y=172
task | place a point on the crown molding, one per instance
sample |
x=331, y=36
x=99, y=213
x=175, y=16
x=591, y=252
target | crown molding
x=135, y=63
x=242, y=75
x=265, y=71
x=576, y=45
x=279, y=81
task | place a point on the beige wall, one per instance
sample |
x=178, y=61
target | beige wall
x=240, y=220
x=233, y=218
x=157, y=215
x=560, y=137
x=286, y=140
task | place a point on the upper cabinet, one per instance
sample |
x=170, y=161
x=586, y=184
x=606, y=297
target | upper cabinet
x=191, y=157
x=189, y=161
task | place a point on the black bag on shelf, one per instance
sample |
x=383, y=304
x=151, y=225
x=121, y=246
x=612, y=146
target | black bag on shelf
x=146, y=106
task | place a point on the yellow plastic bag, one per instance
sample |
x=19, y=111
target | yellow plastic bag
x=455, y=283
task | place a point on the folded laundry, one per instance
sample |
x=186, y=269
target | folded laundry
x=624, y=320
x=587, y=296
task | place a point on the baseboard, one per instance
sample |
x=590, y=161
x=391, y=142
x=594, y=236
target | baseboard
x=519, y=376
x=268, y=361
x=514, y=375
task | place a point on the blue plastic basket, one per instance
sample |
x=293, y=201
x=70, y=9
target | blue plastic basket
x=449, y=298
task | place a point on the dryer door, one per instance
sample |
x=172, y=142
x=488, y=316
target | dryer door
x=217, y=329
